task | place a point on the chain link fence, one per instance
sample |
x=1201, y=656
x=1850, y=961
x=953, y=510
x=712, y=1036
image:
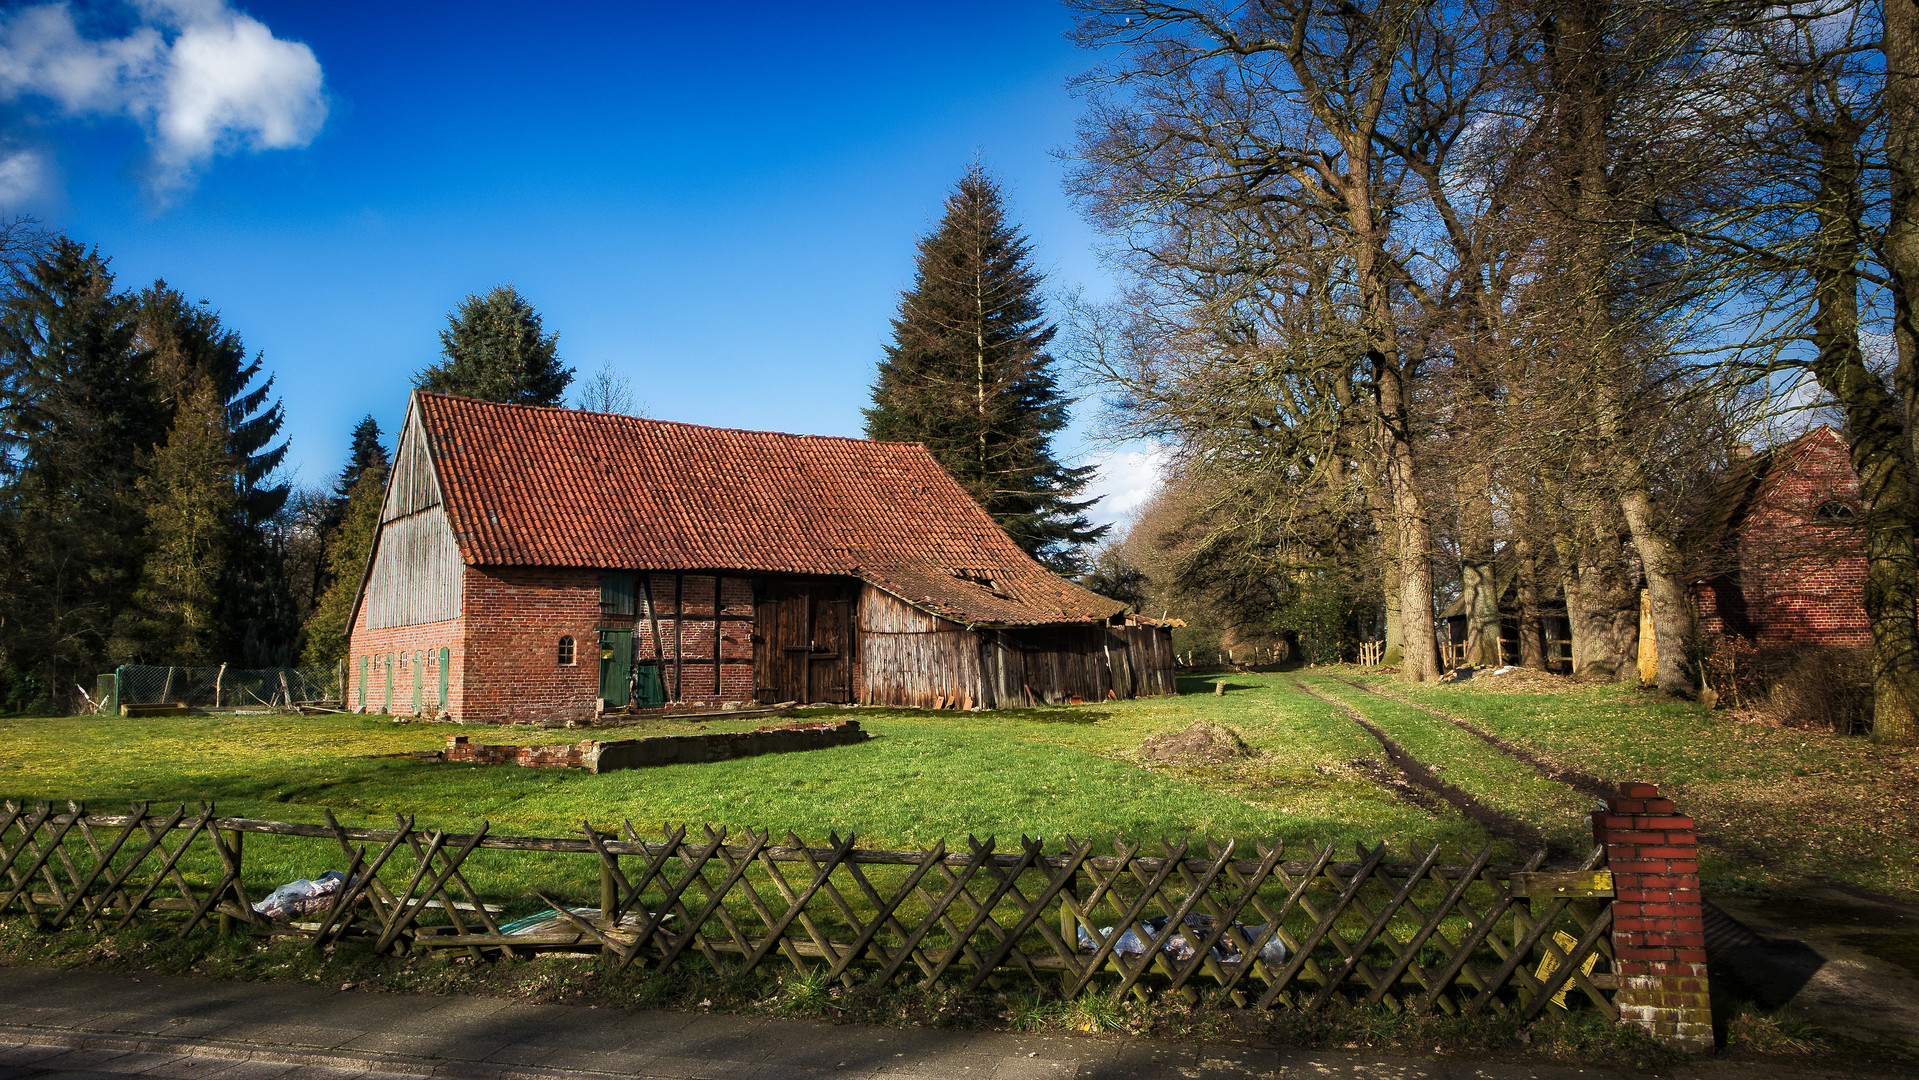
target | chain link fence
x=221, y=687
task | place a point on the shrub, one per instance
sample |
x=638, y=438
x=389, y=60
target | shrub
x=1808, y=686
x=1822, y=687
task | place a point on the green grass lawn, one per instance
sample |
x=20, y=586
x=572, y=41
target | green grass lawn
x=1813, y=805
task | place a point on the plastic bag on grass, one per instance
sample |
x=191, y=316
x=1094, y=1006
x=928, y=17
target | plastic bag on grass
x=301, y=897
x=1225, y=950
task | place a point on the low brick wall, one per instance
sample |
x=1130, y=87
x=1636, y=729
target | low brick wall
x=596, y=756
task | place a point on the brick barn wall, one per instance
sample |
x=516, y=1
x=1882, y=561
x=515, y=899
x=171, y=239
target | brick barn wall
x=1801, y=576
x=515, y=618
x=402, y=650
x=695, y=642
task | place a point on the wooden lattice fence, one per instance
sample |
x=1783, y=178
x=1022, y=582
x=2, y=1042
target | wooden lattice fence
x=1190, y=917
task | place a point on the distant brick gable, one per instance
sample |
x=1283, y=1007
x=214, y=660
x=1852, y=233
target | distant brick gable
x=1786, y=554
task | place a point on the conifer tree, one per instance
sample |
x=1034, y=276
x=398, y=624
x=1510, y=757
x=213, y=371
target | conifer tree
x=79, y=416
x=496, y=348
x=366, y=452
x=968, y=375
x=192, y=501
x=211, y=386
x=189, y=342
x=347, y=552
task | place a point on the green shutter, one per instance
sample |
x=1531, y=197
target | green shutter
x=443, y=678
x=616, y=596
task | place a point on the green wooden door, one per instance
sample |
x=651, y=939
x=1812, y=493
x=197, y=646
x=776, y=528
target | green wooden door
x=616, y=666
x=443, y=678
x=419, y=679
x=386, y=703
x=363, y=660
x=648, y=688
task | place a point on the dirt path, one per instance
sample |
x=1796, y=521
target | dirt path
x=1420, y=778
x=1584, y=783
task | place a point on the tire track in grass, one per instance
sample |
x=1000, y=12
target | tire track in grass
x=1583, y=783
x=1419, y=774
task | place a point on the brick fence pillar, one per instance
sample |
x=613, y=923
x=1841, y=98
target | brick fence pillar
x=1658, y=928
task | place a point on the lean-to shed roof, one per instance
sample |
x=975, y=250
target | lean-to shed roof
x=528, y=486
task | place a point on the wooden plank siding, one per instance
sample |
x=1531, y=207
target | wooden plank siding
x=915, y=659
x=417, y=570
x=417, y=574
x=412, y=485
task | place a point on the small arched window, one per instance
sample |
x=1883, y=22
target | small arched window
x=566, y=652
x=1834, y=510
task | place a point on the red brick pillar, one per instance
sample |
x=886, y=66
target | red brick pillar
x=1658, y=928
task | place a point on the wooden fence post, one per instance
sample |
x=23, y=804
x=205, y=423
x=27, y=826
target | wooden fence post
x=1659, y=927
x=235, y=839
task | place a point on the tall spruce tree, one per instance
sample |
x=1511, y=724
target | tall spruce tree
x=79, y=417
x=496, y=348
x=192, y=503
x=366, y=452
x=213, y=389
x=969, y=376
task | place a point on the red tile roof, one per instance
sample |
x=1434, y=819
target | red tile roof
x=529, y=486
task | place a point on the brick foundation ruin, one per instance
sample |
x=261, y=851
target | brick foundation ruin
x=598, y=756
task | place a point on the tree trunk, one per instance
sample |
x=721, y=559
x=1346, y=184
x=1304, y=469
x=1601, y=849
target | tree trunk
x=1602, y=607
x=1665, y=589
x=1413, y=531
x=1901, y=45
x=1478, y=580
x=1532, y=630
x=1879, y=445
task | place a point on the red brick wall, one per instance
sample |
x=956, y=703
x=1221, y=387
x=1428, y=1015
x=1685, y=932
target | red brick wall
x=1659, y=928
x=504, y=647
x=402, y=650
x=696, y=636
x=515, y=617
x=1801, y=576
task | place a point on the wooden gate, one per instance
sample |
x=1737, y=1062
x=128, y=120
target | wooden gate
x=803, y=640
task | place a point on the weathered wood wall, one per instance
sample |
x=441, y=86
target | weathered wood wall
x=915, y=659
x=412, y=486
x=416, y=572
x=911, y=658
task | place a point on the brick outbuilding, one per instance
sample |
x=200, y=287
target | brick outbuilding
x=1785, y=555
x=541, y=564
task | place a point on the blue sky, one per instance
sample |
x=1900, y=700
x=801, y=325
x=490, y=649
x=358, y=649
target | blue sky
x=719, y=200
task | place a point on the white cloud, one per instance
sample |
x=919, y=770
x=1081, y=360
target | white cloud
x=199, y=77
x=24, y=175
x=1126, y=479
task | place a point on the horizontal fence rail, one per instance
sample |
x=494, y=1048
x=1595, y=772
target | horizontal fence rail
x=1193, y=917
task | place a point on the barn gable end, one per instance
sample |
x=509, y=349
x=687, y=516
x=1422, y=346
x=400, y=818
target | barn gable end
x=417, y=572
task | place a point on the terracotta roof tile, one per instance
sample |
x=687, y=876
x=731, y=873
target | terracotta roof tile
x=559, y=487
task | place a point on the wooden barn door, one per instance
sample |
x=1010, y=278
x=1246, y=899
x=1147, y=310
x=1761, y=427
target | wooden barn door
x=803, y=641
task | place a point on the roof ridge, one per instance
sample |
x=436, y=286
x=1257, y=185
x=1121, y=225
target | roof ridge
x=556, y=409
